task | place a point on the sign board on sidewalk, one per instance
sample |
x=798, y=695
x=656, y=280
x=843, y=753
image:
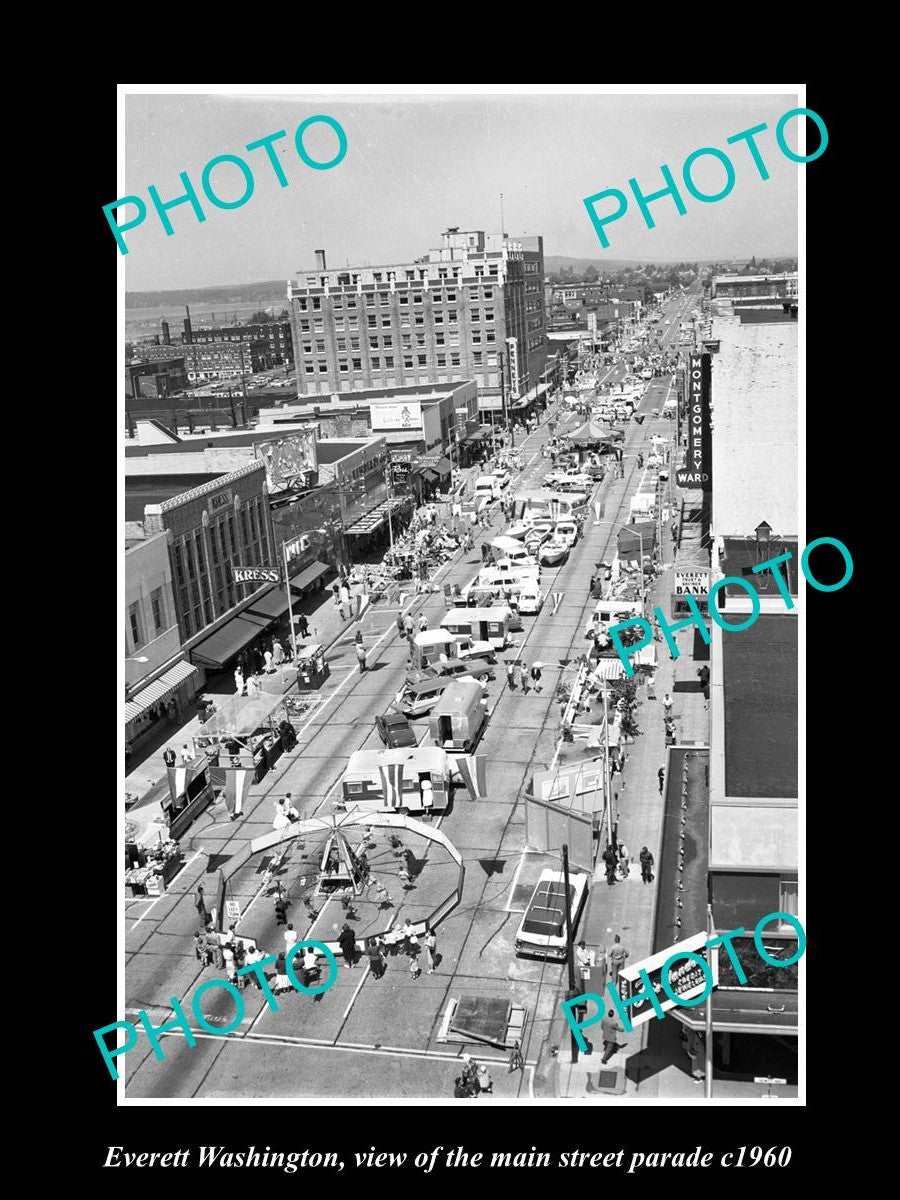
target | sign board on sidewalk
x=686, y=977
x=233, y=910
x=257, y=575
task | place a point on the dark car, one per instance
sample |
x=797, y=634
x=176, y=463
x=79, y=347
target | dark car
x=394, y=730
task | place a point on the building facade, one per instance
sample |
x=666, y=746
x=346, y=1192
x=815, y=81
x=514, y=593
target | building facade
x=210, y=362
x=473, y=309
x=270, y=343
x=211, y=528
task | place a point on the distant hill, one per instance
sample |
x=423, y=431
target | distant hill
x=232, y=293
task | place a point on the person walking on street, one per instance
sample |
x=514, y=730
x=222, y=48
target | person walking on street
x=277, y=653
x=430, y=943
x=310, y=966
x=303, y=626
x=347, y=943
x=511, y=673
x=280, y=907
x=661, y=776
x=611, y=859
x=401, y=626
x=646, y=865
x=651, y=686
x=254, y=956
x=268, y=659
x=200, y=905
x=201, y=949
x=611, y=1028
x=408, y=626
x=617, y=955
x=423, y=623
x=583, y=957
x=667, y=705
x=361, y=656
x=414, y=969
x=291, y=937
x=536, y=676
x=169, y=757
x=377, y=964
x=523, y=676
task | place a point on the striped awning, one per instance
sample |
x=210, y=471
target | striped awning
x=609, y=668
x=158, y=690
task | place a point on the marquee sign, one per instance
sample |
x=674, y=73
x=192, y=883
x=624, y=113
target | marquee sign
x=698, y=471
x=257, y=575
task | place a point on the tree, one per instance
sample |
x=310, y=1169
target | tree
x=591, y=275
x=259, y=318
x=623, y=693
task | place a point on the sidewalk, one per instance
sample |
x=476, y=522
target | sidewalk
x=148, y=780
x=628, y=907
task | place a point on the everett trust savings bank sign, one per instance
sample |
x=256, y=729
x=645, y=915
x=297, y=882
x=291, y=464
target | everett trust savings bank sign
x=698, y=471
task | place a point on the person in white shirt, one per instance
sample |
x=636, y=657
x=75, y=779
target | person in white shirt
x=291, y=937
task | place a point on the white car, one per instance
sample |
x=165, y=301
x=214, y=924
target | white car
x=542, y=933
x=502, y=476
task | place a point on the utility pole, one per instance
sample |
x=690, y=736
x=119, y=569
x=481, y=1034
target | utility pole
x=607, y=785
x=570, y=957
x=504, y=357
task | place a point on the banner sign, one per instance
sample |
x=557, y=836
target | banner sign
x=513, y=368
x=257, y=575
x=687, y=978
x=698, y=471
x=387, y=417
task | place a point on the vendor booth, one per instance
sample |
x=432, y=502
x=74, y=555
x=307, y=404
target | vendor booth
x=242, y=740
x=312, y=667
x=152, y=860
x=190, y=794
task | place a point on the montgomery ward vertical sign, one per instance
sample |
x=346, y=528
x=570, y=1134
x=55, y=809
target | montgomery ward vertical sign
x=698, y=471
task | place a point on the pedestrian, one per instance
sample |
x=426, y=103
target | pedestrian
x=347, y=943
x=341, y=612
x=661, y=776
x=277, y=653
x=281, y=906
x=200, y=905
x=611, y=859
x=483, y=1079
x=282, y=983
x=408, y=626
x=401, y=626
x=169, y=757
x=345, y=594
x=651, y=686
x=336, y=592
x=238, y=681
x=617, y=955
x=460, y=1089
x=310, y=967
x=254, y=955
x=423, y=623
x=523, y=676
x=667, y=705
x=361, y=656
x=291, y=937
x=229, y=963
x=186, y=754
x=511, y=673
x=646, y=865
x=377, y=963
x=414, y=969
x=303, y=624
x=536, y=676
x=267, y=656
x=430, y=943
x=611, y=1028
x=201, y=949
x=409, y=933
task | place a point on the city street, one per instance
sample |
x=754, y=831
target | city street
x=379, y=1037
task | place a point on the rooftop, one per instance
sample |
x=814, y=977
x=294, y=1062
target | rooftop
x=759, y=667
x=755, y=417
x=141, y=490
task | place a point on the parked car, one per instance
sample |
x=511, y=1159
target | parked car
x=542, y=933
x=395, y=730
x=453, y=668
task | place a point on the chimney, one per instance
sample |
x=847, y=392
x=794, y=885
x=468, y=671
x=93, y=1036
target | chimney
x=167, y=341
x=320, y=261
x=188, y=332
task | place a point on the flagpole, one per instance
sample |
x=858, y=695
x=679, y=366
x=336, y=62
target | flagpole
x=287, y=590
x=707, y=1083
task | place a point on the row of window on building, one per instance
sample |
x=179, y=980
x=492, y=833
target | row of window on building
x=314, y=303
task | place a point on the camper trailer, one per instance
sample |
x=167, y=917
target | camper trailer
x=458, y=718
x=392, y=780
x=428, y=647
x=479, y=625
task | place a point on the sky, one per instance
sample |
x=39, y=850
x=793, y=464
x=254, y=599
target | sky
x=416, y=164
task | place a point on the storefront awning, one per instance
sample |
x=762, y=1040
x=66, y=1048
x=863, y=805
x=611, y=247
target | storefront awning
x=309, y=574
x=229, y=639
x=158, y=690
x=376, y=517
x=443, y=468
x=272, y=605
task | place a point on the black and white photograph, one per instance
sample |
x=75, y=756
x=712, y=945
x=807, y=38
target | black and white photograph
x=463, y=562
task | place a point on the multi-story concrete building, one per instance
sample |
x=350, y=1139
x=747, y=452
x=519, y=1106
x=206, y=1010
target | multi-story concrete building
x=472, y=309
x=270, y=343
x=203, y=363
x=782, y=286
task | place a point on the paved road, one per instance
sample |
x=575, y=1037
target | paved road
x=368, y=1037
